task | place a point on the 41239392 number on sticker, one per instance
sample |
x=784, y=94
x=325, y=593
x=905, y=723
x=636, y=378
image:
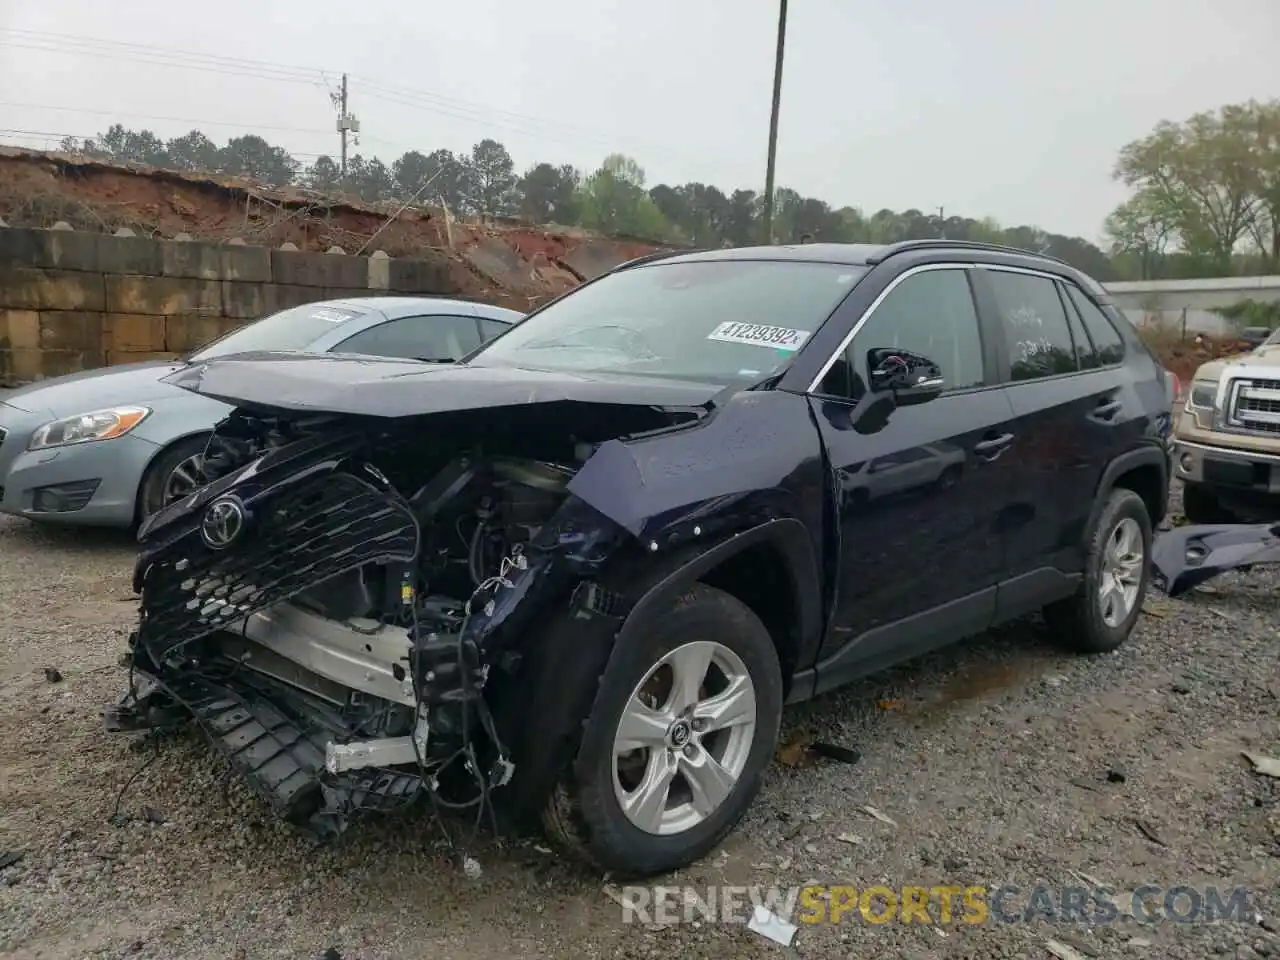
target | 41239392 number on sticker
x=759, y=335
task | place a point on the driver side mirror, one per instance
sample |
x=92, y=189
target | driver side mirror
x=908, y=377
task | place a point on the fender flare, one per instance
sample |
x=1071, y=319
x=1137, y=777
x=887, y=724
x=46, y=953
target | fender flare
x=1147, y=455
x=788, y=535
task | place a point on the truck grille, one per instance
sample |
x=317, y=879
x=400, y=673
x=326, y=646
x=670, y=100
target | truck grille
x=1255, y=405
x=295, y=538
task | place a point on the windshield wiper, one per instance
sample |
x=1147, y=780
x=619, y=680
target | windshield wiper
x=436, y=359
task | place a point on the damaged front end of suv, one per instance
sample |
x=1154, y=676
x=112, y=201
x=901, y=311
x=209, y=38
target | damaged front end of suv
x=577, y=573
x=335, y=606
x=393, y=573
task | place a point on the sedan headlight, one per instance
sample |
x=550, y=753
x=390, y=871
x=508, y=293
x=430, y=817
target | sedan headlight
x=1202, y=395
x=87, y=427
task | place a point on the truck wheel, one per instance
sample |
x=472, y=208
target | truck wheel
x=684, y=724
x=1201, y=505
x=1117, y=571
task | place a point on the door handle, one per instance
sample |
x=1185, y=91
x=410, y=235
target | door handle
x=992, y=448
x=1106, y=411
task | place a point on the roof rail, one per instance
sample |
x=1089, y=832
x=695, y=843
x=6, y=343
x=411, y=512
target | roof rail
x=650, y=258
x=937, y=243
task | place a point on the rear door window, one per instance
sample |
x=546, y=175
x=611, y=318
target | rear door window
x=1034, y=320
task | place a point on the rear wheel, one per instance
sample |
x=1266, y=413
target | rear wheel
x=1102, y=614
x=175, y=473
x=684, y=724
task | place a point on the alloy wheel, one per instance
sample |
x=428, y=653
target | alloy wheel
x=1120, y=576
x=186, y=477
x=684, y=738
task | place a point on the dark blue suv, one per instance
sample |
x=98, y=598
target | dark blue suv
x=583, y=569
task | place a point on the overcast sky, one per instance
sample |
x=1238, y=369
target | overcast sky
x=1012, y=109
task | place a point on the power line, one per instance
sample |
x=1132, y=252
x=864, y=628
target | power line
x=143, y=116
x=454, y=108
x=119, y=49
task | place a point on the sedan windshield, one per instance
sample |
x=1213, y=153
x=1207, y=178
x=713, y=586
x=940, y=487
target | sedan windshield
x=721, y=321
x=293, y=329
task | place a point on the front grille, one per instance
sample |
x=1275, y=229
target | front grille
x=296, y=537
x=1255, y=405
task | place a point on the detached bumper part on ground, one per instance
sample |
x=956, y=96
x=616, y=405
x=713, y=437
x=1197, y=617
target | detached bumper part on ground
x=1185, y=557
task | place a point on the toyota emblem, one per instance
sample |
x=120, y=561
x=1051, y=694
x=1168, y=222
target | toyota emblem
x=222, y=523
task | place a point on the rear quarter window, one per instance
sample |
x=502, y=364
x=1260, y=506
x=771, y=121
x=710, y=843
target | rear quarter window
x=1107, y=342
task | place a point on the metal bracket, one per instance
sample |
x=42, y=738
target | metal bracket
x=382, y=752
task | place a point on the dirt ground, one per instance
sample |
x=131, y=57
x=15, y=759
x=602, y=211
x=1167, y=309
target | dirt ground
x=1000, y=762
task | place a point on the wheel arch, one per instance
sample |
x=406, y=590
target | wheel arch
x=772, y=569
x=1145, y=471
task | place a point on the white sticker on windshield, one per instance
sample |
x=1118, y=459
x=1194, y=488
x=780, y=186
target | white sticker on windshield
x=333, y=316
x=759, y=335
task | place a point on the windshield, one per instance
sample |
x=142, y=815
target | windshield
x=721, y=321
x=293, y=329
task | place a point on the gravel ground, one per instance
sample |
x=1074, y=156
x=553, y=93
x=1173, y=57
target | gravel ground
x=1001, y=762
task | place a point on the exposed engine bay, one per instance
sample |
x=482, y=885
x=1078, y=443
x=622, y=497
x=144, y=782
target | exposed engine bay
x=335, y=606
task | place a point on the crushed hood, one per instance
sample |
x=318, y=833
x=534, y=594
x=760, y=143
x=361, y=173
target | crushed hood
x=376, y=387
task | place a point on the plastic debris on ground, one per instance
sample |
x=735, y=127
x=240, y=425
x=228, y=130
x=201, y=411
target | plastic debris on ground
x=883, y=818
x=772, y=927
x=1062, y=951
x=1267, y=766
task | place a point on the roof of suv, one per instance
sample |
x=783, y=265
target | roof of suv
x=861, y=254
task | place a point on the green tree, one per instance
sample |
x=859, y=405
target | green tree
x=370, y=180
x=1265, y=228
x=121, y=145
x=1140, y=229
x=493, y=180
x=1203, y=177
x=194, y=152
x=412, y=173
x=614, y=201
x=548, y=194
x=323, y=176
x=251, y=156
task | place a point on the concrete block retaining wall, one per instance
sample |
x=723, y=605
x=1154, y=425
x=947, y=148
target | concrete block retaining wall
x=72, y=300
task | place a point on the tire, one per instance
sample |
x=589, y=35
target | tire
x=584, y=813
x=151, y=492
x=1079, y=622
x=1201, y=505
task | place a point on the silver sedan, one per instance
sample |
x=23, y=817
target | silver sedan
x=107, y=447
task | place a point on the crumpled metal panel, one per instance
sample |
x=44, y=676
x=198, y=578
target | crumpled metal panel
x=1185, y=557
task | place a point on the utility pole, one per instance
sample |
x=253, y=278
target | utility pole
x=942, y=229
x=347, y=124
x=773, y=122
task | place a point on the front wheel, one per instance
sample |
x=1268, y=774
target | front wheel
x=177, y=471
x=684, y=724
x=1117, y=571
